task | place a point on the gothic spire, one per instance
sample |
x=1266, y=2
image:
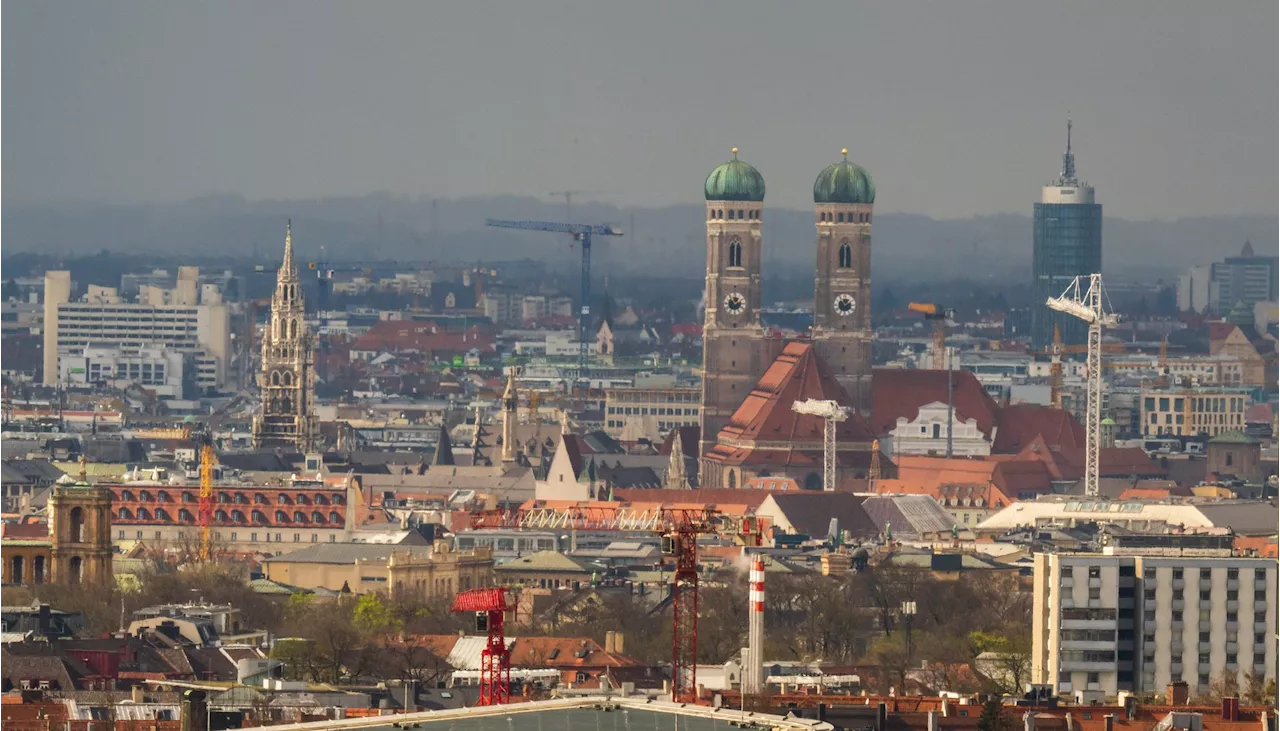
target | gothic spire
x=287, y=269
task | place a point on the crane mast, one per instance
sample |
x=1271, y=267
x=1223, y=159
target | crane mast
x=831, y=413
x=1083, y=300
x=580, y=232
x=205, y=509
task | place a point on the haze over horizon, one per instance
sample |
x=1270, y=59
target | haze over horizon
x=957, y=110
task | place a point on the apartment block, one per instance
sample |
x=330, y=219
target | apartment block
x=102, y=320
x=1190, y=412
x=1108, y=623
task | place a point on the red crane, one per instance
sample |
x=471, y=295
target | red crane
x=679, y=530
x=490, y=605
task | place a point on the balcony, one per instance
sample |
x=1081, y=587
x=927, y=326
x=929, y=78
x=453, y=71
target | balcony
x=1205, y=626
x=1067, y=582
x=1087, y=667
x=1232, y=648
x=1179, y=584
x=1205, y=605
x=1178, y=604
x=1095, y=582
x=1088, y=645
x=1233, y=626
x=1233, y=606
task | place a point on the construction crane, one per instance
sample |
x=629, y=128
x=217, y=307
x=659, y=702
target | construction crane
x=941, y=317
x=678, y=529
x=204, y=511
x=490, y=607
x=1083, y=299
x=832, y=413
x=568, y=199
x=580, y=232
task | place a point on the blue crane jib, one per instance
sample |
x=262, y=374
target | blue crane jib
x=582, y=232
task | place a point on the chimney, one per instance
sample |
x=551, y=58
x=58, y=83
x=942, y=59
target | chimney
x=1109, y=722
x=619, y=647
x=1176, y=695
x=608, y=642
x=138, y=695
x=1230, y=709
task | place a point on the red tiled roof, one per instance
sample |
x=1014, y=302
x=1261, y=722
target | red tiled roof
x=536, y=652
x=1018, y=425
x=899, y=393
x=766, y=416
x=710, y=496
x=421, y=335
x=25, y=531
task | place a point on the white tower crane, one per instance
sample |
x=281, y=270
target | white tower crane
x=1083, y=299
x=833, y=413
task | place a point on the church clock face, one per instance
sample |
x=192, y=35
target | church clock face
x=845, y=305
x=735, y=303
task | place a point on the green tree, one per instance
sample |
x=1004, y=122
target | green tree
x=993, y=718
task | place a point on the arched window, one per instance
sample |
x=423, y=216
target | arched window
x=733, y=479
x=846, y=255
x=322, y=500
x=187, y=497
x=287, y=379
x=76, y=570
x=286, y=404
x=37, y=570
x=144, y=514
x=144, y=496
x=184, y=515
x=259, y=499
x=77, y=525
x=303, y=500
x=740, y=216
x=338, y=499
x=224, y=497
x=317, y=517
x=220, y=516
x=813, y=481
x=162, y=515
x=259, y=516
x=334, y=517
x=237, y=516
x=299, y=516
x=720, y=214
x=126, y=496
x=840, y=218
x=163, y=497
x=283, y=499
x=730, y=214
x=282, y=517
x=125, y=514
x=735, y=253
x=240, y=499
x=17, y=569
x=293, y=329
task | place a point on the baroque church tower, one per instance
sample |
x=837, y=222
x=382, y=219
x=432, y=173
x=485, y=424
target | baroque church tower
x=734, y=350
x=287, y=382
x=843, y=196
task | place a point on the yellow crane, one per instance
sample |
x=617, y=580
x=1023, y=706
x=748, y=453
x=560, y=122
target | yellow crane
x=207, y=460
x=939, y=315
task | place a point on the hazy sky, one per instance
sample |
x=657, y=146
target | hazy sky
x=956, y=107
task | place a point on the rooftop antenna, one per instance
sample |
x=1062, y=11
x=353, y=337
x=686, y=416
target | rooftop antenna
x=1068, y=159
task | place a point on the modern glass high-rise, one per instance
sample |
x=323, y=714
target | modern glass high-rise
x=1068, y=243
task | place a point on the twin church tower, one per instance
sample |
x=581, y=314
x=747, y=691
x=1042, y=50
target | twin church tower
x=737, y=349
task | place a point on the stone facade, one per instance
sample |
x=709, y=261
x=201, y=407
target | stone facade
x=842, y=297
x=80, y=534
x=734, y=349
x=287, y=382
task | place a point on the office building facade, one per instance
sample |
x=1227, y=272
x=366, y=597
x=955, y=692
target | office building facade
x=1067, y=233
x=1247, y=278
x=1107, y=623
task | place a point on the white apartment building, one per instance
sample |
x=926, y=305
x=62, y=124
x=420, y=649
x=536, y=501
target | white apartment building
x=102, y=320
x=1191, y=412
x=1107, y=623
x=159, y=369
x=633, y=413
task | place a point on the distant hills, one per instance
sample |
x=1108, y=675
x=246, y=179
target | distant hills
x=659, y=240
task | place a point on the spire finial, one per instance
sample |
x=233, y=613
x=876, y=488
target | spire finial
x=735, y=153
x=845, y=151
x=1068, y=159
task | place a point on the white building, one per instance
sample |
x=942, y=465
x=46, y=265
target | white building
x=158, y=369
x=1108, y=623
x=927, y=434
x=102, y=320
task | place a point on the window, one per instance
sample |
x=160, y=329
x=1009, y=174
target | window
x=1204, y=636
x=1232, y=595
x=1095, y=572
x=1177, y=573
x=1177, y=615
x=1232, y=617
x=1260, y=638
x=1231, y=658
x=846, y=256
x=1093, y=678
x=1149, y=595
x=1233, y=574
x=735, y=253
x=1203, y=679
x=1095, y=593
x=1204, y=658
x=1205, y=595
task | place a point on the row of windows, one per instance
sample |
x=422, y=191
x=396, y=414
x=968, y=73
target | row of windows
x=828, y=217
x=217, y=536
x=236, y=516
x=1210, y=404
x=651, y=411
x=739, y=215
x=301, y=498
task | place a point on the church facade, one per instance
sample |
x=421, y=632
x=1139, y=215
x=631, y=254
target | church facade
x=287, y=417
x=745, y=366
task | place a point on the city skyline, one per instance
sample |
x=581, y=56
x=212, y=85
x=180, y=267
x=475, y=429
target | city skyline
x=408, y=106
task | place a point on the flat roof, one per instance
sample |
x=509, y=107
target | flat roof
x=588, y=713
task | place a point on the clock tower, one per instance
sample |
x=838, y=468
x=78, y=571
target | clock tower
x=733, y=344
x=843, y=197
